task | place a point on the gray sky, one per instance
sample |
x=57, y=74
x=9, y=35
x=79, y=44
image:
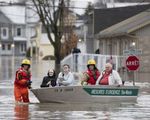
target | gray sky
x=76, y=3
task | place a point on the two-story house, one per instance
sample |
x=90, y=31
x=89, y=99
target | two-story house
x=15, y=30
x=68, y=40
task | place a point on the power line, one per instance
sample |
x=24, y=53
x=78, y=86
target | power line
x=31, y=5
x=20, y=4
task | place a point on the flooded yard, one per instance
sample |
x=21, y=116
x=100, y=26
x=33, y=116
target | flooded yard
x=35, y=110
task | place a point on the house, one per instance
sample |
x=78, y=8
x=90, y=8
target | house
x=14, y=30
x=81, y=32
x=105, y=18
x=68, y=40
x=13, y=40
x=132, y=32
x=88, y=26
x=45, y=48
x=100, y=19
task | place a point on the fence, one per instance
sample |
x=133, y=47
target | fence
x=78, y=62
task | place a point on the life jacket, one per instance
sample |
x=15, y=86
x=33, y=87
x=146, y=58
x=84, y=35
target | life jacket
x=105, y=78
x=92, y=78
x=22, y=75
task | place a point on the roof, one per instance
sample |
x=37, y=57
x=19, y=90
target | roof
x=4, y=18
x=124, y=4
x=104, y=18
x=127, y=26
x=15, y=13
x=18, y=14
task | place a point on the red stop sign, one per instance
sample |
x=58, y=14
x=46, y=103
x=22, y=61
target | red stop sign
x=132, y=63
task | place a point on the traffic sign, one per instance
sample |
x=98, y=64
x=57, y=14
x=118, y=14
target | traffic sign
x=132, y=52
x=132, y=63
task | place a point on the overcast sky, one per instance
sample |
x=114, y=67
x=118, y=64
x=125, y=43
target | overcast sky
x=70, y=0
x=76, y=3
x=80, y=4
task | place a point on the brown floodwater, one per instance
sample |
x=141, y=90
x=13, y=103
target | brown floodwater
x=40, y=111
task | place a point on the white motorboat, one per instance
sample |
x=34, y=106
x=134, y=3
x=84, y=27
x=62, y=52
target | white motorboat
x=86, y=94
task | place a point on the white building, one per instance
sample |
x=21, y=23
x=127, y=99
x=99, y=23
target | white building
x=16, y=30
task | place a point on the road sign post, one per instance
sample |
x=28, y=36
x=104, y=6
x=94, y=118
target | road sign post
x=132, y=52
x=132, y=64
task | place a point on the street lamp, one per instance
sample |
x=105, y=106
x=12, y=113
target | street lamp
x=0, y=48
x=13, y=50
x=12, y=46
x=133, y=44
x=80, y=40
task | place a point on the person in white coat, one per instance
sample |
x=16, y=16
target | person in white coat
x=109, y=76
x=65, y=78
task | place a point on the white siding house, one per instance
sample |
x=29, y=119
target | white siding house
x=14, y=30
x=132, y=33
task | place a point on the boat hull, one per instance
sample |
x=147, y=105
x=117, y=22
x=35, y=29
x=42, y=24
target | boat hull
x=85, y=94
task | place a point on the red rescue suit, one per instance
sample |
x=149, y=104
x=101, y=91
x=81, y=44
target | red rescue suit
x=21, y=85
x=93, y=76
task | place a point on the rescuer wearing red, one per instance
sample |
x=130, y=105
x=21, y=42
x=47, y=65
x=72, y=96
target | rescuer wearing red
x=91, y=75
x=22, y=82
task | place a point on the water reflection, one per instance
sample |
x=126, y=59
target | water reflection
x=36, y=110
x=79, y=106
x=21, y=112
x=80, y=112
x=84, y=111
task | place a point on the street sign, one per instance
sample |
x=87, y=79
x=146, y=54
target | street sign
x=132, y=52
x=132, y=63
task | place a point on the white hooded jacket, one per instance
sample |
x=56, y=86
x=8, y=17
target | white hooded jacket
x=65, y=79
x=113, y=79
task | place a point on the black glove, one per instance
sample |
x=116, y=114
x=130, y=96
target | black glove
x=29, y=84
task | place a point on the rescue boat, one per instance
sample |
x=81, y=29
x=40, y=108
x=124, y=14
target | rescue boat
x=86, y=94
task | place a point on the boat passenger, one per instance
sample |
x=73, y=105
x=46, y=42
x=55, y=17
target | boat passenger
x=65, y=78
x=91, y=75
x=109, y=76
x=50, y=79
x=22, y=82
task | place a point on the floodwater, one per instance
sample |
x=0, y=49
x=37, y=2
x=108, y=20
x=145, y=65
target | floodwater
x=40, y=111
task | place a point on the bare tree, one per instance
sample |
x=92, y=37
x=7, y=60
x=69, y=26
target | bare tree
x=51, y=14
x=89, y=8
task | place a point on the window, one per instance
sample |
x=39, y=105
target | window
x=3, y=47
x=23, y=47
x=18, y=31
x=4, y=33
x=9, y=46
x=6, y=47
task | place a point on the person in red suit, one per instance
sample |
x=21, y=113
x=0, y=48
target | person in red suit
x=22, y=82
x=91, y=75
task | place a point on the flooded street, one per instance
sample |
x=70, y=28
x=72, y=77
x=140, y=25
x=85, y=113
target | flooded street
x=38, y=111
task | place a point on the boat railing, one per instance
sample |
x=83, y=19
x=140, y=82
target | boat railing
x=78, y=64
x=78, y=61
